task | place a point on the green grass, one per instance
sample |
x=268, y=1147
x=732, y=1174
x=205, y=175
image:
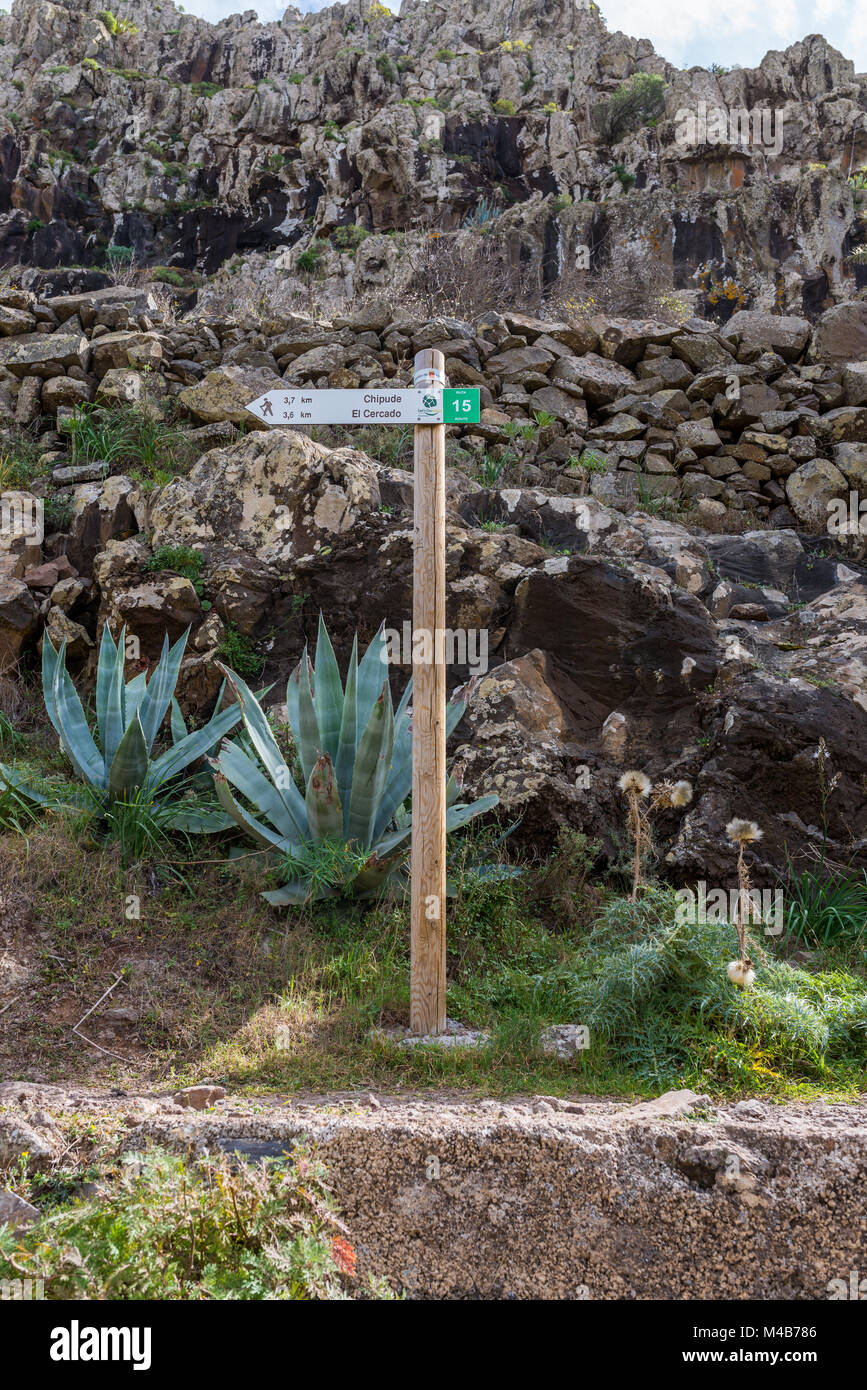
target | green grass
x=179, y=559
x=19, y=459
x=137, y=438
x=654, y=993
x=826, y=906
x=558, y=944
x=236, y=979
x=57, y=513
x=388, y=444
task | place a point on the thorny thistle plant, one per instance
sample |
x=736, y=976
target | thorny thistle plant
x=637, y=788
x=741, y=833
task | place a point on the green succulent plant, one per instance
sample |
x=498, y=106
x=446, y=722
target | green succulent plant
x=119, y=767
x=355, y=756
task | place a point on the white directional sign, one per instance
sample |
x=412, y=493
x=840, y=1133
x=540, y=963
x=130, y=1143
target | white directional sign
x=426, y=405
x=297, y=406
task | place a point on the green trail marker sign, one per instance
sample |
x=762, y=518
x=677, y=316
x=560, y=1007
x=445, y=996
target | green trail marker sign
x=461, y=405
x=429, y=405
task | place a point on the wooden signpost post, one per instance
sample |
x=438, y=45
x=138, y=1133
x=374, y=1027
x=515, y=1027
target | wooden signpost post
x=429, y=406
x=427, y=998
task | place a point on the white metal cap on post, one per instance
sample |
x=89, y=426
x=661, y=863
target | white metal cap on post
x=428, y=895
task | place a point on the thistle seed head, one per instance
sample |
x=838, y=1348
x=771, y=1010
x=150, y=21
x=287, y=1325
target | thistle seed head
x=743, y=832
x=634, y=781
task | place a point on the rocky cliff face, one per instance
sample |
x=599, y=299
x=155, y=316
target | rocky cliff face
x=342, y=136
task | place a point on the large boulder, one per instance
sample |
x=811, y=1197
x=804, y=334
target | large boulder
x=625, y=340
x=846, y=424
x=597, y=378
x=277, y=495
x=61, y=391
x=225, y=393
x=841, y=334
x=119, y=350
x=19, y=617
x=89, y=304
x=855, y=383
x=21, y=532
x=44, y=354
x=782, y=333
x=159, y=604
x=21, y=1143
x=811, y=488
x=851, y=459
x=101, y=511
x=61, y=628
x=15, y=321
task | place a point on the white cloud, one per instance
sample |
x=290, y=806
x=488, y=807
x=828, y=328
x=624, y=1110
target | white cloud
x=679, y=29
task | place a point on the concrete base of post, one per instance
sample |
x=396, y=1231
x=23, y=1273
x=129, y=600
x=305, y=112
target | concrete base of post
x=454, y=1035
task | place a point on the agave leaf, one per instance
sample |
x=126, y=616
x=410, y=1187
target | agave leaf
x=309, y=743
x=492, y=873
x=104, y=675
x=397, y=788
x=324, y=811
x=135, y=693
x=454, y=712
x=372, y=670
x=130, y=763
x=262, y=834
x=73, y=798
x=399, y=784
x=75, y=736
x=347, y=742
x=371, y=770
x=194, y=746
x=246, y=776
x=200, y=820
x=293, y=686
x=455, y=816
x=290, y=893
x=328, y=699
x=404, y=701
x=375, y=874
x=265, y=744
x=115, y=724
x=460, y=814
x=50, y=658
x=161, y=687
x=389, y=844
x=179, y=727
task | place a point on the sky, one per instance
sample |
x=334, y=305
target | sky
x=679, y=29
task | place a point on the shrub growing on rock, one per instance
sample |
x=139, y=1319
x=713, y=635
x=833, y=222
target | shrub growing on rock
x=637, y=102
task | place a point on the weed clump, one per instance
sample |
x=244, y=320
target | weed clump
x=169, y=1229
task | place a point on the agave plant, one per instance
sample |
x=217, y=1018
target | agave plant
x=355, y=755
x=119, y=767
